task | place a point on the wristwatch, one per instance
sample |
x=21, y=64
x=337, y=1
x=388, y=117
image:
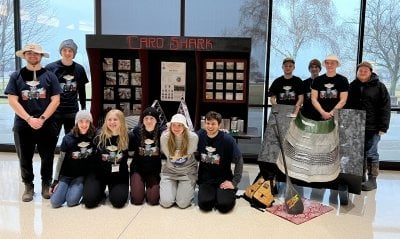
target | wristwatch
x=42, y=117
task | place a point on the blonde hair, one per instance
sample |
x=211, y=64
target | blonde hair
x=184, y=144
x=106, y=133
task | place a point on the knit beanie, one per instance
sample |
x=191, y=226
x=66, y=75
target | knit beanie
x=151, y=111
x=83, y=114
x=365, y=63
x=69, y=43
x=314, y=62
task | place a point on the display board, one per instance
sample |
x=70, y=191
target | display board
x=129, y=72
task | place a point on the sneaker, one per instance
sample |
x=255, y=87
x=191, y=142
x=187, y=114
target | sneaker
x=28, y=193
x=45, y=190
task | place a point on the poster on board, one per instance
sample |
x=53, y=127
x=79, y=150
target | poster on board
x=173, y=81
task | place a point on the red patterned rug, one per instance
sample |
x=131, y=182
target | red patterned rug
x=312, y=209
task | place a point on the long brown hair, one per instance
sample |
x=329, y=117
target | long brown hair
x=184, y=144
x=90, y=133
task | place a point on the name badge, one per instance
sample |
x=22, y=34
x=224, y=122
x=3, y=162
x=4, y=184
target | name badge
x=115, y=168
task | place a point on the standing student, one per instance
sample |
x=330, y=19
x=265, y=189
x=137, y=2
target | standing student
x=218, y=150
x=72, y=79
x=75, y=153
x=367, y=93
x=34, y=95
x=329, y=91
x=287, y=89
x=145, y=167
x=179, y=173
x=109, y=165
x=308, y=110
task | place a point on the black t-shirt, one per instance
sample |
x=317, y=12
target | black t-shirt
x=33, y=95
x=308, y=109
x=78, y=154
x=287, y=91
x=72, y=80
x=329, y=89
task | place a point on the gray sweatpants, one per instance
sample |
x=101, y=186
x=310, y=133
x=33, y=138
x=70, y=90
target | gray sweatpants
x=179, y=190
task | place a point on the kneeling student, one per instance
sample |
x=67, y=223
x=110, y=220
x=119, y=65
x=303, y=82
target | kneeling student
x=75, y=154
x=217, y=150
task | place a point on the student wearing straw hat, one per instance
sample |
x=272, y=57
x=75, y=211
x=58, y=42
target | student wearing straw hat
x=34, y=95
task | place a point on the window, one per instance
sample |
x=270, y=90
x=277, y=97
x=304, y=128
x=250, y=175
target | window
x=7, y=51
x=136, y=17
x=305, y=31
x=380, y=28
x=47, y=22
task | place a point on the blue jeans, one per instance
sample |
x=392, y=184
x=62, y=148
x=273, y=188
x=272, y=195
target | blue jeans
x=372, y=139
x=68, y=190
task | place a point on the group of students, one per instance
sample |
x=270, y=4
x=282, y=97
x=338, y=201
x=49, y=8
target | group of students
x=92, y=160
x=46, y=98
x=321, y=96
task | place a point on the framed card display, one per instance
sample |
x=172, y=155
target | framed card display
x=219, y=86
x=125, y=107
x=209, y=85
x=111, y=78
x=229, y=75
x=229, y=96
x=124, y=65
x=124, y=93
x=209, y=75
x=138, y=67
x=240, y=66
x=109, y=93
x=230, y=65
x=225, y=80
x=210, y=65
x=219, y=65
x=136, y=79
x=122, y=84
x=123, y=78
x=136, y=109
x=138, y=93
x=108, y=107
x=108, y=64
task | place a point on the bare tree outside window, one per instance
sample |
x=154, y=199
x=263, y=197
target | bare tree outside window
x=6, y=40
x=36, y=21
x=382, y=38
x=297, y=24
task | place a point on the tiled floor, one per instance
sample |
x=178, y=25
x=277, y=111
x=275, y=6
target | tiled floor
x=369, y=215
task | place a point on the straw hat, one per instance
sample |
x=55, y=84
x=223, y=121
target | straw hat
x=31, y=47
